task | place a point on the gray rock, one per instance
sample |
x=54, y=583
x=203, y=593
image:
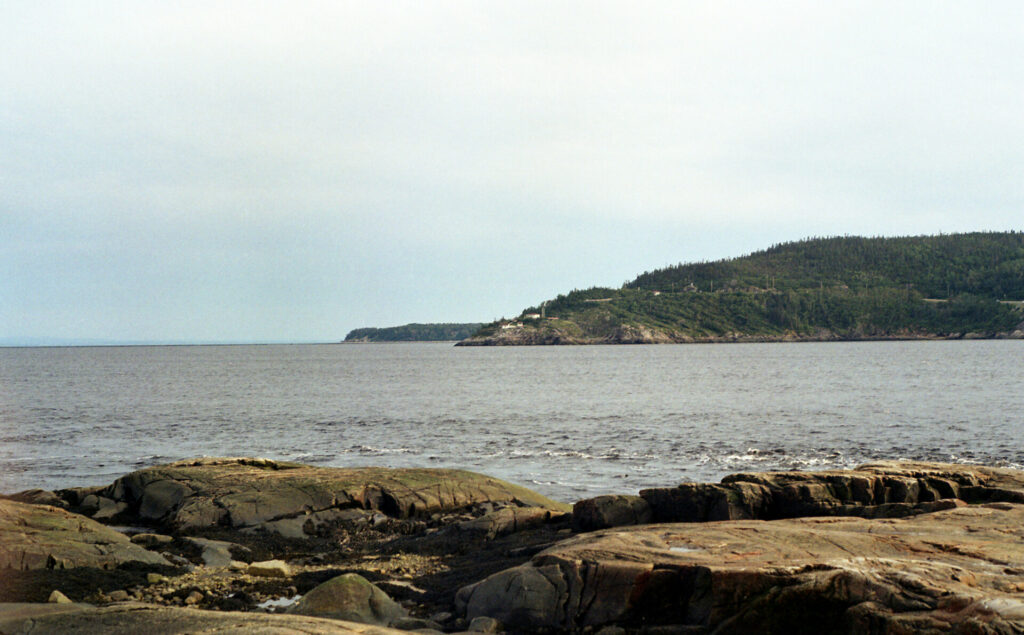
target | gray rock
x=296, y=500
x=108, y=509
x=349, y=597
x=216, y=553
x=610, y=511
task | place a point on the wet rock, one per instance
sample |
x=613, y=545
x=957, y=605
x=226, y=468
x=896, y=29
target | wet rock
x=349, y=597
x=45, y=537
x=270, y=569
x=131, y=618
x=119, y=595
x=290, y=498
x=958, y=570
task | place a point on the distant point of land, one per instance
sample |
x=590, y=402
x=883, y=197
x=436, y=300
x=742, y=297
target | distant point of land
x=949, y=286
x=414, y=333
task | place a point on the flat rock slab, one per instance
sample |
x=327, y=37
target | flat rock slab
x=244, y=492
x=45, y=537
x=133, y=618
x=959, y=570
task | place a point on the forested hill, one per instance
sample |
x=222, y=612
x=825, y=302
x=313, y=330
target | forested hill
x=985, y=264
x=946, y=286
x=414, y=333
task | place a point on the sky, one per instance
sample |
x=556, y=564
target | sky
x=224, y=171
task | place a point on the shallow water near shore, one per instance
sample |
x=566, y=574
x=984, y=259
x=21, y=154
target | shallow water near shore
x=569, y=422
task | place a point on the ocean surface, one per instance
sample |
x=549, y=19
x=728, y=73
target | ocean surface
x=569, y=422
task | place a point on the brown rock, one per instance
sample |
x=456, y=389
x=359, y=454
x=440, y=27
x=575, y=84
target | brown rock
x=151, y=540
x=506, y=521
x=959, y=570
x=132, y=618
x=269, y=569
x=44, y=537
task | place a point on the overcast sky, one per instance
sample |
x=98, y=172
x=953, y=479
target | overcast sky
x=226, y=171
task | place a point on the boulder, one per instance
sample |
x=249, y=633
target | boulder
x=45, y=537
x=957, y=570
x=244, y=493
x=349, y=597
x=131, y=617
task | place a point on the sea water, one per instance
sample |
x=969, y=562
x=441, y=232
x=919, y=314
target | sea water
x=569, y=422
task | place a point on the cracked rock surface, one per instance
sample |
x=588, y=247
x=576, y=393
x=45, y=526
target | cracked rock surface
x=241, y=493
x=46, y=537
x=852, y=568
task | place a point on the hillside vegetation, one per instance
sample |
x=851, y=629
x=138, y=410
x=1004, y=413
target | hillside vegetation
x=960, y=285
x=414, y=333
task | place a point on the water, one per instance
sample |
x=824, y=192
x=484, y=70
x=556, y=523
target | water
x=569, y=422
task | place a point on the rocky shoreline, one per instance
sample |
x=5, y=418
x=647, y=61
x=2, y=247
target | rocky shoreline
x=255, y=545
x=642, y=335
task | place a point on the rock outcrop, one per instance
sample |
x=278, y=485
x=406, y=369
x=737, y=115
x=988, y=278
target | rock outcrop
x=294, y=499
x=958, y=570
x=46, y=537
x=876, y=490
x=132, y=618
